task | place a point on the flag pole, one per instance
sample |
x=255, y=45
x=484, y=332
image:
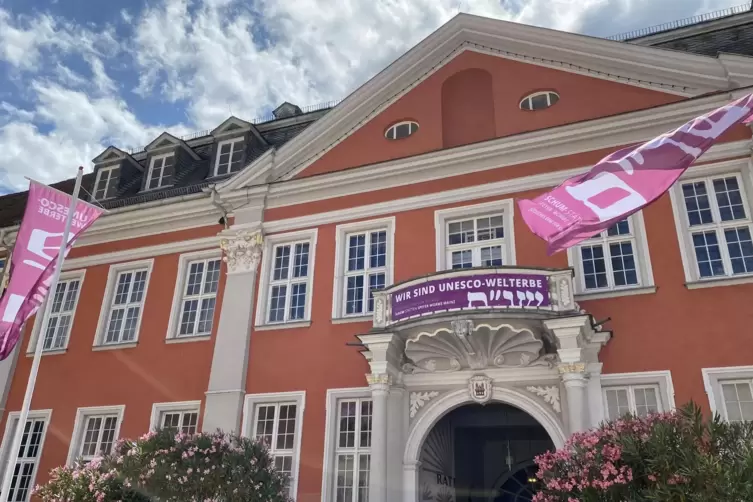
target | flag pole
x=13, y=454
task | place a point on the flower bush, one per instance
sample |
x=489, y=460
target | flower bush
x=168, y=467
x=670, y=457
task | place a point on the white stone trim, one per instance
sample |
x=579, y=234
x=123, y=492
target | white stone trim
x=442, y=216
x=642, y=258
x=267, y=261
x=742, y=167
x=38, y=323
x=153, y=160
x=662, y=379
x=458, y=195
x=8, y=437
x=159, y=408
x=180, y=284
x=100, y=170
x=330, y=434
x=78, y=426
x=229, y=141
x=340, y=256
x=712, y=378
x=250, y=403
x=112, y=275
x=142, y=252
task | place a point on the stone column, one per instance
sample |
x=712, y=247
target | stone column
x=227, y=378
x=380, y=388
x=575, y=380
x=410, y=481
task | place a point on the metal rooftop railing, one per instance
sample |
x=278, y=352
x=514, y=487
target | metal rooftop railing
x=681, y=23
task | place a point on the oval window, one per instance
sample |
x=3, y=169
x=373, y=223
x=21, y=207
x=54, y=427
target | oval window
x=401, y=130
x=539, y=100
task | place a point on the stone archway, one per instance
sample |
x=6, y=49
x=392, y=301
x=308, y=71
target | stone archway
x=439, y=408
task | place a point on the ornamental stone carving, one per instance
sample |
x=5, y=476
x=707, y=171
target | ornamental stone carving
x=379, y=379
x=242, y=252
x=550, y=394
x=419, y=399
x=572, y=368
x=480, y=388
x=470, y=346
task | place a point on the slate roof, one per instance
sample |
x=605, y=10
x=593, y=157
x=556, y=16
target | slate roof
x=189, y=179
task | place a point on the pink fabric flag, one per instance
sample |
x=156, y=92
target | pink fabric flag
x=626, y=181
x=34, y=254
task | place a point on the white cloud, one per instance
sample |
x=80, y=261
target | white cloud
x=216, y=57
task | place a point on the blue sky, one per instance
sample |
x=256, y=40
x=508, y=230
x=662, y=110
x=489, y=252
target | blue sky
x=79, y=75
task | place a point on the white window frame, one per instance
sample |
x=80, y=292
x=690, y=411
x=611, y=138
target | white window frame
x=112, y=277
x=82, y=414
x=641, y=254
x=530, y=97
x=173, y=324
x=252, y=403
x=8, y=437
x=267, y=263
x=341, y=258
x=713, y=378
x=744, y=170
x=412, y=129
x=334, y=396
x=159, y=409
x=659, y=379
x=232, y=143
x=109, y=169
x=152, y=161
x=443, y=217
x=40, y=326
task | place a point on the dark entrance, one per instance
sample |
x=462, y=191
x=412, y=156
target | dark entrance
x=482, y=454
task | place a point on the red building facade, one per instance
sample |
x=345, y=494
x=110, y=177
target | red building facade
x=283, y=321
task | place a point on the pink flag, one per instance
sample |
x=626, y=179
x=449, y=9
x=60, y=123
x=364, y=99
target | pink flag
x=626, y=181
x=34, y=254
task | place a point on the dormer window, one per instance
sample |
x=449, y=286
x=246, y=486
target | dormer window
x=161, y=171
x=107, y=182
x=229, y=156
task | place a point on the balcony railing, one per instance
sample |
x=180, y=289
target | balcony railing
x=488, y=289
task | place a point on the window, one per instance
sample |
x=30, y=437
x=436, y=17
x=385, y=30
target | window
x=95, y=432
x=401, y=130
x=107, y=182
x=364, y=262
x=352, y=450
x=289, y=282
x=539, y=100
x=639, y=400
x=229, y=156
x=474, y=236
x=199, y=297
x=730, y=391
x=276, y=421
x=161, y=170
x=287, y=273
x=717, y=216
x=738, y=400
x=29, y=453
x=123, y=305
x=57, y=329
x=179, y=417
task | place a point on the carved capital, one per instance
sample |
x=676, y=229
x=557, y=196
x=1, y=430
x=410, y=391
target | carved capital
x=242, y=252
x=572, y=368
x=379, y=380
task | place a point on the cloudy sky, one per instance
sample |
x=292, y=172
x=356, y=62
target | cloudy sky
x=76, y=76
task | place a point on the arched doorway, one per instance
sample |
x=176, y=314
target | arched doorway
x=481, y=453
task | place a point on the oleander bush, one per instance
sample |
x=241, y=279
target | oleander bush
x=168, y=467
x=668, y=457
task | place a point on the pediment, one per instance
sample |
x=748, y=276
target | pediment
x=166, y=140
x=232, y=125
x=110, y=154
x=675, y=73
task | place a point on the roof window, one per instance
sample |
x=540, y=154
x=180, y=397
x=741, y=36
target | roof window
x=401, y=130
x=539, y=100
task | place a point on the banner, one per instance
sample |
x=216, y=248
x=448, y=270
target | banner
x=34, y=254
x=626, y=181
